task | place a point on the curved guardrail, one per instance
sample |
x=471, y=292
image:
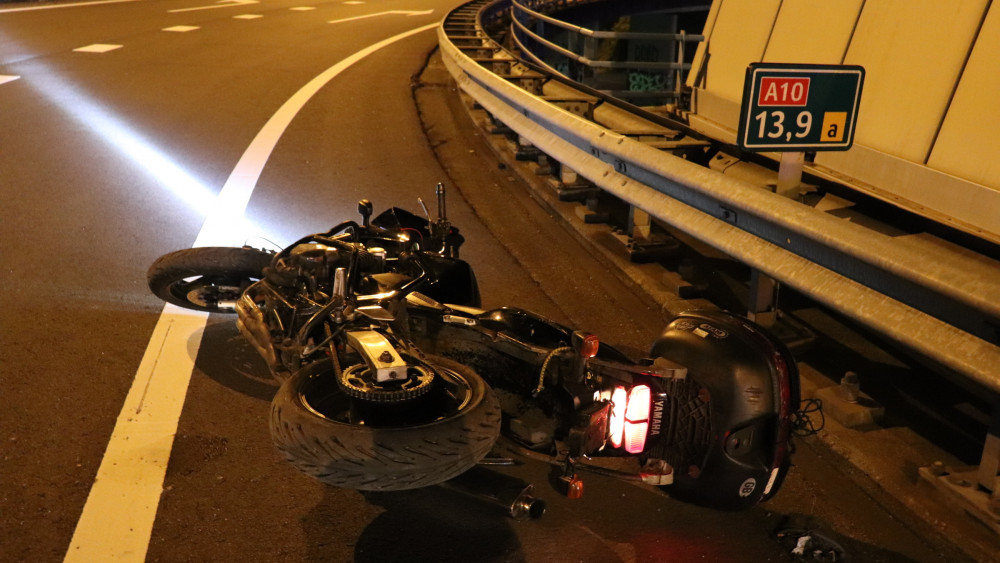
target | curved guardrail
x=947, y=310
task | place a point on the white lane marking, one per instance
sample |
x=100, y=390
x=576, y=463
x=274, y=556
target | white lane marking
x=117, y=519
x=302, y=8
x=247, y=17
x=5, y=78
x=129, y=482
x=353, y=2
x=55, y=6
x=221, y=4
x=181, y=28
x=408, y=13
x=97, y=48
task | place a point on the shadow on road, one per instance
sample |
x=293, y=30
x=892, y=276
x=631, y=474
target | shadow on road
x=226, y=357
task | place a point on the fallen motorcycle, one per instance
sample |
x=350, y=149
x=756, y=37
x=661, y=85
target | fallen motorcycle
x=395, y=378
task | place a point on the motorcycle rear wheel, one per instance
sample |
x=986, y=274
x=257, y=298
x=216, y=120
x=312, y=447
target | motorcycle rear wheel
x=208, y=278
x=314, y=427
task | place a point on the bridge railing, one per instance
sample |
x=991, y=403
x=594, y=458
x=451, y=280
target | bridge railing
x=580, y=58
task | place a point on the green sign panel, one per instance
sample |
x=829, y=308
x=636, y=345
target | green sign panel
x=795, y=107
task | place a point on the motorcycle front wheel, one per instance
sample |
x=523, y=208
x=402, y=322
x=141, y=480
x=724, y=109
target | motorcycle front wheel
x=333, y=438
x=207, y=279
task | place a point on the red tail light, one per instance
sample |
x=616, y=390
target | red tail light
x=616, y=426
x=638, y=404
x=637, y=419
x=635, y=436
x=630, y=418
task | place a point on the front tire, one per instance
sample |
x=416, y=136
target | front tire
x=317, y=428
x=208, y=278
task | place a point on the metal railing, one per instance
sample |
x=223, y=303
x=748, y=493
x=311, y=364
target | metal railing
x=944, y=310
x=941, y=302
x=648, y=79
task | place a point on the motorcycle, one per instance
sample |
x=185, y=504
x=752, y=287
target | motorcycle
x=394, y=377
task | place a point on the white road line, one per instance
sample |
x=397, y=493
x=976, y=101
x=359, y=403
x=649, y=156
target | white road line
x=5, y=78
x=117, y=519
x=56, y=6
x=302, y=8
x=97, y=48
x=408, y=13
x=222, y=4
x=181, y=28
x=247, y=17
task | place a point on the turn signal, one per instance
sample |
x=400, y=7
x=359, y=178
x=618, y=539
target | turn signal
x=588, y=346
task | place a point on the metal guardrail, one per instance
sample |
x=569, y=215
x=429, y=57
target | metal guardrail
x=946, y=311
x=582, y=48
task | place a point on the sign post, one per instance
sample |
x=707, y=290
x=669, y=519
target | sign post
x=798, y=108
x=794, y=109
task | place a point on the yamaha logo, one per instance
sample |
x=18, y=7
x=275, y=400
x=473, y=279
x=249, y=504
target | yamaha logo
x=657, y=423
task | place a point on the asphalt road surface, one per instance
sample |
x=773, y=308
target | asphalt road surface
x=134, y=128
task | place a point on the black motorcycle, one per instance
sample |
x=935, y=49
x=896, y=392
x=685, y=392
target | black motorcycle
x=395, y=378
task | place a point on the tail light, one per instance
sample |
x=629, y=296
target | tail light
x=630, y=418
x=637, y=419
x=616, y=427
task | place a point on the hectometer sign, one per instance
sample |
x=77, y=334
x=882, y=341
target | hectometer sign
x=795, y=107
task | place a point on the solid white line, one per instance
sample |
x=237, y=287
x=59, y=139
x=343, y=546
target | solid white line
x=5, y=78
x=408, y=13
x=117, y=519
x=222, y=4
x=55, y=6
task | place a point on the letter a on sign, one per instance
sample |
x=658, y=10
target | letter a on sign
x=834, y=123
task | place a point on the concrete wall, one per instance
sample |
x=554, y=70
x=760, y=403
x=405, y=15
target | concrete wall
x=928, y=118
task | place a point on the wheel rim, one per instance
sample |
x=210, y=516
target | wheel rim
x=208, y=293
x=449, y=394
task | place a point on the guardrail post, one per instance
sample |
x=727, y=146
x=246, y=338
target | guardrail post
x=763, y=305
x=567, y=176
x=640, y=223
x=989, y=467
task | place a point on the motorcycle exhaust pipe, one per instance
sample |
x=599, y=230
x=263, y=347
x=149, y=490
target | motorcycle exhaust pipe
x=512, y=495
x=250, y=322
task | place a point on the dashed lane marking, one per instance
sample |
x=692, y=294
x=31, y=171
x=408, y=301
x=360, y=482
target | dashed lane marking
x=97, y=48
x=5, y=78
x=117, y=519
x=181, y=28
x=302, y=8
x=247, y=17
